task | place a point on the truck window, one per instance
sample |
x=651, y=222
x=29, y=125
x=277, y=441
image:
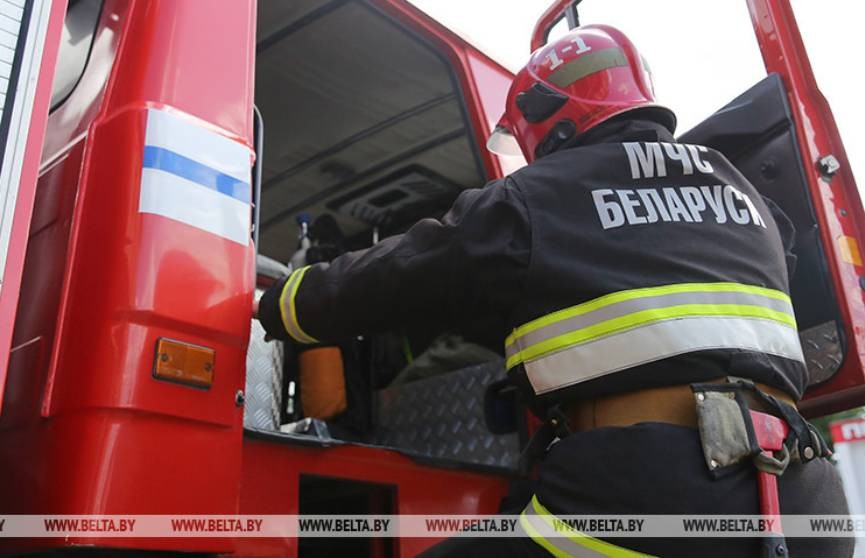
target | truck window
x=78, y=31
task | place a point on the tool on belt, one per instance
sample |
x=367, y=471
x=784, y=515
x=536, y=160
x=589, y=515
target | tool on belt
x=738, y=421
x=731, y=432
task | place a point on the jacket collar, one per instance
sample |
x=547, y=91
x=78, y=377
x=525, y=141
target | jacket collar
x=622, y=130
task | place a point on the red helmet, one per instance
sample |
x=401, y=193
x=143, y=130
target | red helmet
x=571, y=85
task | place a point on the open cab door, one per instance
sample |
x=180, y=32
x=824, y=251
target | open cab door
x=782, y=136
x=30, y=32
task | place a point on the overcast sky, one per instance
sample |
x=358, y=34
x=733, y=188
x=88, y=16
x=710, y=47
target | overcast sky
x=703, y=54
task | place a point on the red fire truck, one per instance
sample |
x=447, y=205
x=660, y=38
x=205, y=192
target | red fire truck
x=155, y=155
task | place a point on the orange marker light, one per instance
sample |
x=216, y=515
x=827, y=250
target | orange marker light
x=184, y=363
x=850, y=250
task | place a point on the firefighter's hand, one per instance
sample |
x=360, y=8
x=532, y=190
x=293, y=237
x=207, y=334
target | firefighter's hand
x=267, y=337
x=267, y=311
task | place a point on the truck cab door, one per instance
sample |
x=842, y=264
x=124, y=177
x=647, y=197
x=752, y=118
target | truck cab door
x=781, y=134
x=838, y=382
x=30, y=33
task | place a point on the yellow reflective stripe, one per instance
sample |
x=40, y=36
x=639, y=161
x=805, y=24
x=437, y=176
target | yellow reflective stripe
x=620, y=296
x=626, y=307
x=538, y=538
x=646, y=317
x=287, y=308
x=597, y=545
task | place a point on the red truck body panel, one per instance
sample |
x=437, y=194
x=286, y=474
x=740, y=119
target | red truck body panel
x=86, y=429
x=25, y=199
x=271, y=474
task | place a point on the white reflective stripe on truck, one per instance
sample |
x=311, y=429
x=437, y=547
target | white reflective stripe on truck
x=195, y=176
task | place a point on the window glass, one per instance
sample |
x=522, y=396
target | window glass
x=78, y=31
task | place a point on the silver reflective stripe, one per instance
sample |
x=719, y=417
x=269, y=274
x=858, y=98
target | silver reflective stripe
x=630, y=306
x=588, y=64
x=538, y=524
x=656, y=341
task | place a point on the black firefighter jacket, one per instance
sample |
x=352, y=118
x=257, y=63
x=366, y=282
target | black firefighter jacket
x=624, y=262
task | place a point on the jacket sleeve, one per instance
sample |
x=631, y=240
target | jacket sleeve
x=471, y=263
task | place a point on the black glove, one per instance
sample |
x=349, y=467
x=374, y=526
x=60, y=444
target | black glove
x=269, y=313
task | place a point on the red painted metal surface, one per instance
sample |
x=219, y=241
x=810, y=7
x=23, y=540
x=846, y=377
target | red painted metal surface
x=89, y=430
x=86, y=430
x=271, y=473
x=770, y=433
x=836, y=200
x=24, y=200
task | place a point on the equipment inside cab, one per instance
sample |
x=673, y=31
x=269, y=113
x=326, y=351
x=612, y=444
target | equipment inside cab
x=361, y=140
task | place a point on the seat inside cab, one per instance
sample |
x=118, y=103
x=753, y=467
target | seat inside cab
x=365, y=131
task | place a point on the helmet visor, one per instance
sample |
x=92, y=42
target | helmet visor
x=503, y=142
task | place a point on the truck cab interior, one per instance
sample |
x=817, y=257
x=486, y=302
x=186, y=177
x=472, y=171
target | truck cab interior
x=365, y=138
x=372, y=134
x=371, y=130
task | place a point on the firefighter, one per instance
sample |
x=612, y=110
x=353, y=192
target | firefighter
x=639, y=286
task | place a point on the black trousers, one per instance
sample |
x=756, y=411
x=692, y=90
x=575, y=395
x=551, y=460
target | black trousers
x=654, y=468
